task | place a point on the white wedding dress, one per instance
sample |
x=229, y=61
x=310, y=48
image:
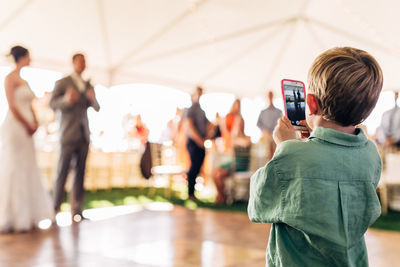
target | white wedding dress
x=23, y=200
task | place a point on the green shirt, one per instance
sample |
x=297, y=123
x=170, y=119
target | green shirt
x=320, y=196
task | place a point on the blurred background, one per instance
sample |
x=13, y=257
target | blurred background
x=146, y=57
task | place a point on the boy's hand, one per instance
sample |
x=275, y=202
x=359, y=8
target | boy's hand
x=283, y=131
x=305, y=133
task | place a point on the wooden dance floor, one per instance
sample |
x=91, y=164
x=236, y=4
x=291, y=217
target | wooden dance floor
x=160, y=235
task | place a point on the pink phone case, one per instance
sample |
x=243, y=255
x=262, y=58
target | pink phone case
x=300, y=128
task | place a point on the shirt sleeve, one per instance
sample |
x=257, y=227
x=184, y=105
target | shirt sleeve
x=265, y=203
x=378, y=171
x=94, y=104
x=385, y=124
x=189, y=114
x=208, y=122
x=278, y=115
x=259, y=122
x=57, y=97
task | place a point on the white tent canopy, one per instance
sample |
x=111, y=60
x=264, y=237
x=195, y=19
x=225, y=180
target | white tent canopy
x=235, y=46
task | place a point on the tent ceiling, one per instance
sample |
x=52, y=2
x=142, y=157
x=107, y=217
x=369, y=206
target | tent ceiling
x=242, y=47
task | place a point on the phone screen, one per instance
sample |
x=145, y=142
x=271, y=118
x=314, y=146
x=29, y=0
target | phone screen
x=294, y=100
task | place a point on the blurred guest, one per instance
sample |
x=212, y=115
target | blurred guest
x=72, y=96
x=389, y=132
x=178, y=135
x=140, y=130
x=229, y=121
x=43, y=111
x=176, y=125
x=240, y=147
x=128, y=126
x=166, y=134
x=267, y=121
x=23, y=199
x=45, y=135
x=198, y=130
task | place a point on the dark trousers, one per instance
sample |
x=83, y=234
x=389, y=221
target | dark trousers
x=71, y=155
x=197, y=155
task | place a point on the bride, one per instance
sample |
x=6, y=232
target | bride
x=23, y=199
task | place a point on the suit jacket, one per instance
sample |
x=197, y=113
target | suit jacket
x=74, y=125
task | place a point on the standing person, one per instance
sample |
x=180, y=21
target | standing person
x=320, y=194
x=239, y=144
x=72, y=96
x=198, y=127
x=23, y=199
x=390, y=126
x=141, y=131
x=180, y=139
x=267, y=121
x=296, y=101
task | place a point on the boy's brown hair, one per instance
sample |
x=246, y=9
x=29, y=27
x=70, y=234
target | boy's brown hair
x=346, y=82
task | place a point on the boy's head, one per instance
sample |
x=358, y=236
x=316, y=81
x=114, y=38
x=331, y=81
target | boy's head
x=346, y=83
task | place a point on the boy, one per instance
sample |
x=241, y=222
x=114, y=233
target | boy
x=320, y=194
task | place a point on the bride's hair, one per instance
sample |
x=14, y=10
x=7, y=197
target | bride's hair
x=17, y=52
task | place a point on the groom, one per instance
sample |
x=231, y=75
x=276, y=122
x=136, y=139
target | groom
x=72, y=96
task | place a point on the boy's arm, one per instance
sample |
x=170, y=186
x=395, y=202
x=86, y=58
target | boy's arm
x=265, y=203
x=378, y=172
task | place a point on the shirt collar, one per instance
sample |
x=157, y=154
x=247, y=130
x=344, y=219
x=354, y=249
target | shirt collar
x=76, y=76
x=340, y=138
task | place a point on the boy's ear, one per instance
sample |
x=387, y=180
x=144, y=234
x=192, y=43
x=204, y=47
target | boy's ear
x=312, y=103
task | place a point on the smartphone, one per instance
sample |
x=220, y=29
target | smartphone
x=294, y=95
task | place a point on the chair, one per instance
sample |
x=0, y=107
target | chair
x=247, y=161
x=132, y=169
x=164, y=164
x=119, y=169
x=99, y=169
x=236, y=185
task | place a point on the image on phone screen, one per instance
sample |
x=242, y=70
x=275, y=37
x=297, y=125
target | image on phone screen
x=294, y=97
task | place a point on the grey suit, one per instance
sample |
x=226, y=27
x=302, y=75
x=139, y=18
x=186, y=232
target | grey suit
x=74, y=141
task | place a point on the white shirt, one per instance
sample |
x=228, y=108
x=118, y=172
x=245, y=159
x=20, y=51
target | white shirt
x=390, y=125
x=79, y=82
x=268, y=118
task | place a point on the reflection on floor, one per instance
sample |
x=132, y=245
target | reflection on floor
x=159, y=235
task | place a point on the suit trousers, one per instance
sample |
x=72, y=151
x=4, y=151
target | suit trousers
x=197, y=155
x=72, y=156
